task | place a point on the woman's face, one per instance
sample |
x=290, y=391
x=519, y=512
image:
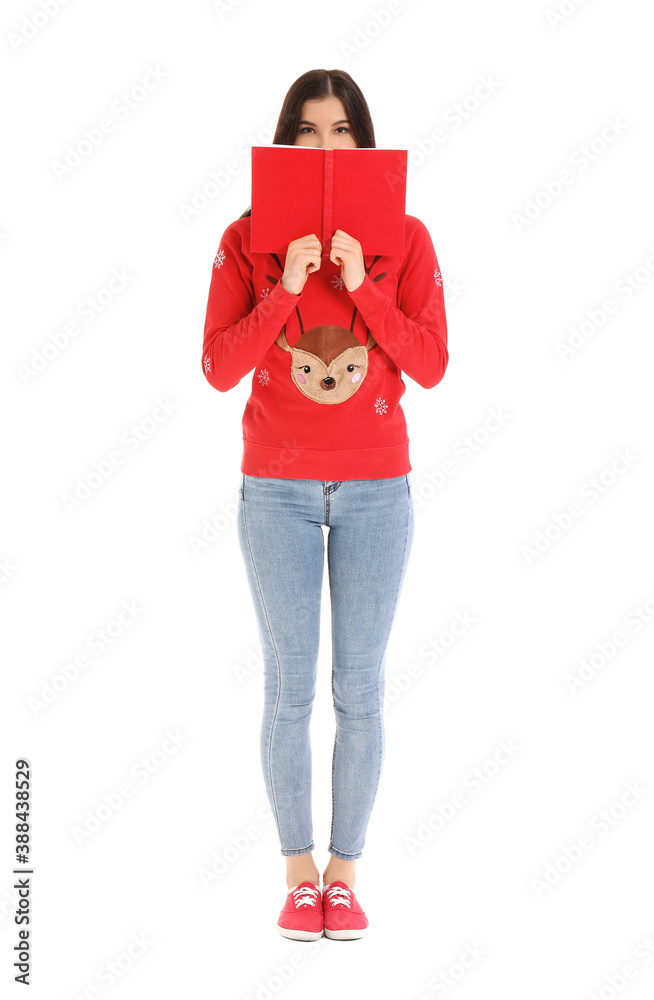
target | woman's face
x=324, y=124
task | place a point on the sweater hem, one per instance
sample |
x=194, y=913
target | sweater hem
x=306, y=463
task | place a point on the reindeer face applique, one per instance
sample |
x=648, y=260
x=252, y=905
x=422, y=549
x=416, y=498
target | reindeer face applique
x=328, y=363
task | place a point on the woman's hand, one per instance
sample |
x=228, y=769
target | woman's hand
x=302, y=257
x=346, y=251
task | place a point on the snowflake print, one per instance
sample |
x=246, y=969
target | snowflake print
x=337, y=282
x=207, y=363
x=438, y=278
x=264, y=293
x=264, y=376
x=219, y=258
x=380, y=405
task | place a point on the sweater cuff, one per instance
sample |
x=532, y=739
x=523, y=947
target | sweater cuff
x=279, y=303
x=369, y=299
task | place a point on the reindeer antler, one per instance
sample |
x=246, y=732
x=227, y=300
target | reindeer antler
x=282, y=342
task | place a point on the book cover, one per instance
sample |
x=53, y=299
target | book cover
x=298, y=190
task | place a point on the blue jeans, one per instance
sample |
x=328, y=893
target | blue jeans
x=371, y=526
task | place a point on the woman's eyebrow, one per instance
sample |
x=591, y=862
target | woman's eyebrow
x=343, y=121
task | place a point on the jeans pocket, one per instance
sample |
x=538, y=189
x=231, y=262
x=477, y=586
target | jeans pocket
x=408, y=484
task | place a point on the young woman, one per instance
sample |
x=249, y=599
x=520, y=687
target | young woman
x=324, y=443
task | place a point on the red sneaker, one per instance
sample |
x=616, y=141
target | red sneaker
x=301, y=918
x=343, y=917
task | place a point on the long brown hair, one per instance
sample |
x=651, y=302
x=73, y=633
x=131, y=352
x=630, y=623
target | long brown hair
x=315, y=85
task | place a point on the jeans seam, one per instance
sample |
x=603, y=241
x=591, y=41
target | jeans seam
x=331, y=832
x=299, y=850
x=279, y=681
x=344, y=854
x=382, y=668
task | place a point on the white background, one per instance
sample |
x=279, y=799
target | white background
x=493, y=877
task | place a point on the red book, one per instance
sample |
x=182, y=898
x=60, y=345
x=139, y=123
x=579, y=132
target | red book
x=298, y=190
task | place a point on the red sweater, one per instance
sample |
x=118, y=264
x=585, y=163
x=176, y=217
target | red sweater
x=326, y=388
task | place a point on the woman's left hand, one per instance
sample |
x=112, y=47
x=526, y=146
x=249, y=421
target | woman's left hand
x=346, y=251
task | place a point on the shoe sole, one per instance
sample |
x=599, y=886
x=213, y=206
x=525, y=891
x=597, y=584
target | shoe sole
x=298, y=935
x=346, y=935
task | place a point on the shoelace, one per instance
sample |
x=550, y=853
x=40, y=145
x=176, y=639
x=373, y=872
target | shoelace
x=339, y=896
x=304, y=896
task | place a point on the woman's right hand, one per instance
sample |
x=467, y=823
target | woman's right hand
x=302, y=257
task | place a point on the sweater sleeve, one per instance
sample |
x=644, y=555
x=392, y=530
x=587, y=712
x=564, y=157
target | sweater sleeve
x=238, y=331
x=412, y=333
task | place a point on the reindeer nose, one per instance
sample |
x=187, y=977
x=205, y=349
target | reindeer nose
x=329, y=382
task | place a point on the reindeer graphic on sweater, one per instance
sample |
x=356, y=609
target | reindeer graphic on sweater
x=328, y=363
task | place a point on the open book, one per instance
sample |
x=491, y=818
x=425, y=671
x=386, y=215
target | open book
x=299, y=190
